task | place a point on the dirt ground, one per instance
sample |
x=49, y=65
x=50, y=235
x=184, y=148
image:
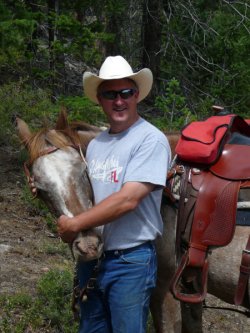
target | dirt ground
x=24, y=239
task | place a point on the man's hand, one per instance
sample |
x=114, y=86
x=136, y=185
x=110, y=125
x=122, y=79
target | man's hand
x=65, y=228
x=32, y=186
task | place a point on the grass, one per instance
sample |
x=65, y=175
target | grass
x=59, y=248
x=49, y=311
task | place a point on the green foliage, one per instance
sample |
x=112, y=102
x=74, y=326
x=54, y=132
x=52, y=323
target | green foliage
x=75, y=38
x=49, y=311
x=34, y=106
x=204, y=108
x=26, y=51
x=172, y=104
x=12, y=312
x=54, y=292
x=59, y=248
x=81, y=108
x=206, y=47
x=230, y=51
x=15, y=34
x=114, y=7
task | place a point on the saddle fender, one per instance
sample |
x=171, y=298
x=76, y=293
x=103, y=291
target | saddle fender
x=213, y=226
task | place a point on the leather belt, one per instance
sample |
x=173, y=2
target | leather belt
x=111, y=253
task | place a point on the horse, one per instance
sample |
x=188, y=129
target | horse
x=57, y=163
x=175, y=316
x=58, y=167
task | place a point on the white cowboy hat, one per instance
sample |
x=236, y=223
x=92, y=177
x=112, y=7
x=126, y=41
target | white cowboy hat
x=115, y=68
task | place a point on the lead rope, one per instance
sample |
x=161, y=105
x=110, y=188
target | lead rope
x=82, y=156
x=81, y=294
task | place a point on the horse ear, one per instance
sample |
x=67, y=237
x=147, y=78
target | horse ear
x=62, y=121
x=23, y=130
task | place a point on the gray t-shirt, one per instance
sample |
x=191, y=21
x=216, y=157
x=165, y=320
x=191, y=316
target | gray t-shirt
x=138, y=154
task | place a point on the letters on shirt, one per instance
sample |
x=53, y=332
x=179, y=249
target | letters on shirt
x=107, y=171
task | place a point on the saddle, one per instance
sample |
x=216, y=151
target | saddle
x=207, y=210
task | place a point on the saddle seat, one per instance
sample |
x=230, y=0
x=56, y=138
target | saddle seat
x=233, y=163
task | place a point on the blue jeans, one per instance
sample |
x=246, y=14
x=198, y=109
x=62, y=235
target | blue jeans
x=120, y=301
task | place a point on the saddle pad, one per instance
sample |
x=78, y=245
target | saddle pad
x=201, y=141
x=233, y=163
x=205, y=131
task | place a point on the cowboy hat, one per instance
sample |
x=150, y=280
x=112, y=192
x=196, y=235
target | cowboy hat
x=115, y=68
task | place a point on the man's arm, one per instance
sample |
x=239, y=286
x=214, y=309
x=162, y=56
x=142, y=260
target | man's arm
x=106, y=211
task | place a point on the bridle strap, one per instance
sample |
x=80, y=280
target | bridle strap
x=27, y=165
x=81, y=153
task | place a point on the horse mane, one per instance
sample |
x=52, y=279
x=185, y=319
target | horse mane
x=82, y=126
x=63, y=138
x=85, y=132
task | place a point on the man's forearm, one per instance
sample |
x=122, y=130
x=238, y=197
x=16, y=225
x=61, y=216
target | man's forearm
x=104, y=212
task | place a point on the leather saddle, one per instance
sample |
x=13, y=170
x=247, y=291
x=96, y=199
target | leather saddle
x=207, y=214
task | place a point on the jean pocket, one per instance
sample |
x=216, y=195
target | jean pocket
x=142, y=256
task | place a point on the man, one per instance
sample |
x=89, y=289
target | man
x=127, y=166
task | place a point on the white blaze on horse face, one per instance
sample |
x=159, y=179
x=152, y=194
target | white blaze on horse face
x=60, y=175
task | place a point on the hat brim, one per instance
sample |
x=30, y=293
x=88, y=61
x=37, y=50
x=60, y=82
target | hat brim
x=143, y=80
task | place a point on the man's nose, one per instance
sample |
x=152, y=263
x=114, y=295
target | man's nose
x=118, y=100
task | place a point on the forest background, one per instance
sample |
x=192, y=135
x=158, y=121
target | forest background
x=199, y=53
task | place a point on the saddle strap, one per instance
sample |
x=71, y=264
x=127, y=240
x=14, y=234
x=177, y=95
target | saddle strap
x=244, y=275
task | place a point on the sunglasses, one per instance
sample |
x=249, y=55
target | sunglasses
x=112, y=94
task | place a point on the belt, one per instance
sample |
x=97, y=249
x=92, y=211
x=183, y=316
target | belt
x=110, y=253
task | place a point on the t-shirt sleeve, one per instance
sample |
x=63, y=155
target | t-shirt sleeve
x=149, y=162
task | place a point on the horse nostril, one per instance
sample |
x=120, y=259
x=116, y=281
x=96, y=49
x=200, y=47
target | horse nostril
x=79, y=247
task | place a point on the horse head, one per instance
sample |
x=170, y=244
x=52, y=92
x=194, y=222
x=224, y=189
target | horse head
x=58, y=167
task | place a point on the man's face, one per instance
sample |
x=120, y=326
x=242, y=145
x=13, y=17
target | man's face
x=121, y=109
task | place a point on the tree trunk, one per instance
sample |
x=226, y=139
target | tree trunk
x=53, y=7
x=151, y=38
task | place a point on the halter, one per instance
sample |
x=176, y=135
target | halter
x=27, y=165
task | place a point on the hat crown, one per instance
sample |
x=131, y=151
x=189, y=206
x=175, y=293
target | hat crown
x=115, y=67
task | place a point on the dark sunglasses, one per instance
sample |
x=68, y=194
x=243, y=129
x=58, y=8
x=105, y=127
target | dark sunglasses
x=112, y=94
